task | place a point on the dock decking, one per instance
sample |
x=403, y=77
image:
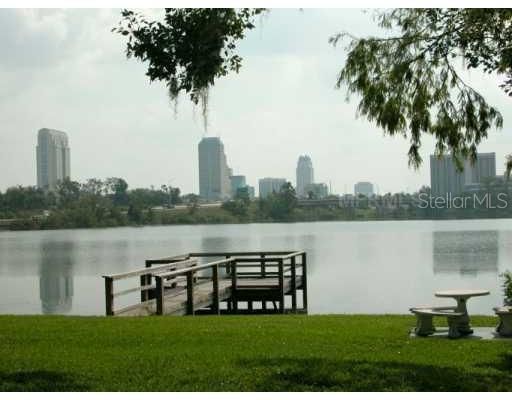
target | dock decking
x=183, y=286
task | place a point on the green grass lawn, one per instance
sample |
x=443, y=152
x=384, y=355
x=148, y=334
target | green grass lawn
x=243, y=353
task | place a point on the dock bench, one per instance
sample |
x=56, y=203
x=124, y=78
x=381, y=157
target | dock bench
x=424, y=320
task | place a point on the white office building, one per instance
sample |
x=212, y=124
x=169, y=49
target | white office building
x=52, y=154
x=214, y=173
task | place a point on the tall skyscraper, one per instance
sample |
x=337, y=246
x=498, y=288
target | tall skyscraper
x=214, y=183
x=304, y=175
x=52, y=154
x=444, y=177
x=268, y=186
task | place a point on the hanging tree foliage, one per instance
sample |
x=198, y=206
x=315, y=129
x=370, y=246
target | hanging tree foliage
x=409, y=85
x=189, y=48
x=408, y=81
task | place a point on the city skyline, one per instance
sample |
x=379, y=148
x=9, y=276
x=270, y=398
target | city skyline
x=107, y=100
x=218, y=182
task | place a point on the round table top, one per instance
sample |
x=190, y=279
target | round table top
x=462, y=293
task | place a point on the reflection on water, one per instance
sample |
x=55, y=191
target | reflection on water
x=465, y=252
x=56, y=276
x=353, y=267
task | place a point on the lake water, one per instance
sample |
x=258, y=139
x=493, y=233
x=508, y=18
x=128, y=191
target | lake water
x=353, y=267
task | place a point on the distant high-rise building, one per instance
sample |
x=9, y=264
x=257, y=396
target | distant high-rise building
x=268, y=186
x=444, y=177
x=317, y=191
x=237, y=182
x=364, y=188
x=52, y=154
x=304, y=175
x=214, y=172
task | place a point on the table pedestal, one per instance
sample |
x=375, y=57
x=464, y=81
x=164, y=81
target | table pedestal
x=463, y=326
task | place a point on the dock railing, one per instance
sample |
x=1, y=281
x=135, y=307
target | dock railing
x=190, y=274
x=250, y=274
x=145, y=286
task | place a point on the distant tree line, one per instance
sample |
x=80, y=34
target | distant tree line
x=94, y=203
x=110, y=203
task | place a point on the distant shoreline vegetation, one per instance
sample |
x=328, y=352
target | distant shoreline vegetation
x=109, y=203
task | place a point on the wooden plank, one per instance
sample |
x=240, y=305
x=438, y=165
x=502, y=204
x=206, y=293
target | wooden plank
x=167, y=284
x=181, y=257
x=175, y=300
x=196, y=268
x=175, y=303
x=240, y=253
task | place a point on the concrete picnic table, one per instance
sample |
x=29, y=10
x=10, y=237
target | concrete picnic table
x=461, y=296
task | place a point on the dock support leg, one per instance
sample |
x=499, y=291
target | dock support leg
x=304, y=284
x=109, y=296
x=190, y=293
x=294, y=285
x=216, y=300
x=234, y=300
x=281, y=287
x=263, y=275
x=159, y=295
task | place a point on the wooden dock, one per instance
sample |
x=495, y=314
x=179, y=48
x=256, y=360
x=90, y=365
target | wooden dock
x=234, y=283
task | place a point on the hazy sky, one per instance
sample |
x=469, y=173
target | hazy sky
x=64, y=69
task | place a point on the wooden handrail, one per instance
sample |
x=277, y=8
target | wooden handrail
x=240, y=253
x=181, y=257
x=150, y=270
x=196, y=268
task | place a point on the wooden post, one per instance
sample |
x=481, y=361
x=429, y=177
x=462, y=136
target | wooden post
x=145, y=280
x=263, y=275
x=228, y=269
x=281, y=286
x=234, y=301
x=263, y=268
x=216, y=299
x=294, y=285
x=304, y=284
x=190, y=293
x=159, y=295
x=143, y=293
x=109, y=295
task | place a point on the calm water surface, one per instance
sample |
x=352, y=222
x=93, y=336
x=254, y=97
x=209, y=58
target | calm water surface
x=354, y=267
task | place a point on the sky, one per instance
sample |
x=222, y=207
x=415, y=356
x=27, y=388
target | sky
x=64, y=69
